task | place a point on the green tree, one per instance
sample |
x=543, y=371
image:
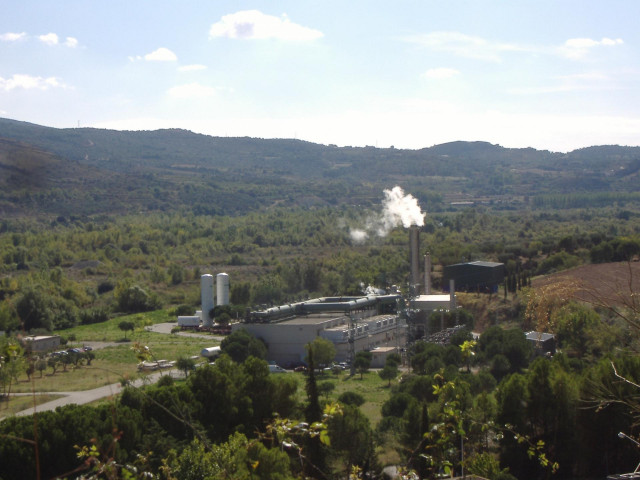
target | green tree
x=352, y=441
x=11, y=362
x=389, y=372
x=125, y=326
x=362, y=362
x=351, y=398
x=134, y=298
x=325, y=388
x=34, y=309
x=185, y=364
x=237, y=458
x=53, y=363
x=41, y=365
x=324, y=351
x=241, y=344
x=467, y=352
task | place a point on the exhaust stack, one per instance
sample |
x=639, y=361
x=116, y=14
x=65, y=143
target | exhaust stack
x=427, y=274
x=414, y=247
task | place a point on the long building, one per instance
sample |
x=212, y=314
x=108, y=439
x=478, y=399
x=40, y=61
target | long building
x=352, y=323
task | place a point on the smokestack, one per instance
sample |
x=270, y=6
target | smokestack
x=414, y=247
x=452, y=294
x=427, y=274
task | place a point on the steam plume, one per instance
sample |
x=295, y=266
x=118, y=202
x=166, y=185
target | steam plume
x=398, y=209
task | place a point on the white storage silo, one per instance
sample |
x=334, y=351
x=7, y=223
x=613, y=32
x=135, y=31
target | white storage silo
x=222, y=289
x=206, y=298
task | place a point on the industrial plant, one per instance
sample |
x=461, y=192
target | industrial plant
x=380, y=322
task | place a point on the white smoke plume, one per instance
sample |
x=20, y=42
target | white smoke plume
x=398, y=209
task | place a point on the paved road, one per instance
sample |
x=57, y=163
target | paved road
x=166, y=328
x=88, y=396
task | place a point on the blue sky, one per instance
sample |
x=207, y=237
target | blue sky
x=548, y=74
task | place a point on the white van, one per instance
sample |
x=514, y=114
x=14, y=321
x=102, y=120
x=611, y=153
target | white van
x=276, y=369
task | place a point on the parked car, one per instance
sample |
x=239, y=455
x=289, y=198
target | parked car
x=276, y=369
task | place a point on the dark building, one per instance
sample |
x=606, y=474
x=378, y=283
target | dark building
x=474, y=276
x=543, y=343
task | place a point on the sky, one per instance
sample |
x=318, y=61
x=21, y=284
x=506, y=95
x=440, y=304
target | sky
x=549, y=74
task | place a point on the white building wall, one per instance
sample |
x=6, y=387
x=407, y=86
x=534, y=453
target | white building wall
x=286, y=341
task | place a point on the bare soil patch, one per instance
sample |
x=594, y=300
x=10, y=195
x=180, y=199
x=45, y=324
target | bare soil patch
x=613, y=283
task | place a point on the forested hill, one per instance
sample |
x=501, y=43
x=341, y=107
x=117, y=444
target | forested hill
x=92, y=170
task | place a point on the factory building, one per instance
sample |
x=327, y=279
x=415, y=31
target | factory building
x=353, y=324
x=39, y=344
x=475, y=276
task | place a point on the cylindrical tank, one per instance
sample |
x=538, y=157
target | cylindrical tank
x=206, y=298
x=222, y=289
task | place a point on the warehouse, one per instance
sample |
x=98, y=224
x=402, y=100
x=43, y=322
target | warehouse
x=352, y=323
x=475, y=276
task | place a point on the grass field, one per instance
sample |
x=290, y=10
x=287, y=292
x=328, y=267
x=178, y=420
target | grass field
x=118, y=360
x=17, y=404
x=375, y=390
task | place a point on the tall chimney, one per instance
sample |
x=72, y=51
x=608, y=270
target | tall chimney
x=414, y=247
x=427, y=274
x=452, y=294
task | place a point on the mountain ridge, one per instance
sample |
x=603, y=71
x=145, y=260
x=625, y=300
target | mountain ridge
x=177, y=168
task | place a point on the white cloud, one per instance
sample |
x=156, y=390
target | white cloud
x=578, y=48
x=253, y=24
x=192, y=68
x=161, y=55
x=479, y=48
x=441, y=73
x=13, y=37
x=71, y=42
x=49, y=38
x=464, y=45
x=191, y=90
x=29, y=82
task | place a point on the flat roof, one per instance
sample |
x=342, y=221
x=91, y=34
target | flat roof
x=310, y=319
x=432, y=298
x=478, y=263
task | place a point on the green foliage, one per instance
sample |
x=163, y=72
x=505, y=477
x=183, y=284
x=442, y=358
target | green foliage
x=185, y=364
x=324, y=351
x=389, y=372
x=126, y=325
x=352, y=441
x=133, y=298
x=506, y=350
x=241, y=344
x=351, y=398
x=238, y=458
x=486, y=465
x=362, y=362
x=325, y=388
x=34, y=309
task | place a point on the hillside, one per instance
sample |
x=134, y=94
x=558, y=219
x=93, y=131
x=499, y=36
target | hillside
x=612, y=284
x=173, y=169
